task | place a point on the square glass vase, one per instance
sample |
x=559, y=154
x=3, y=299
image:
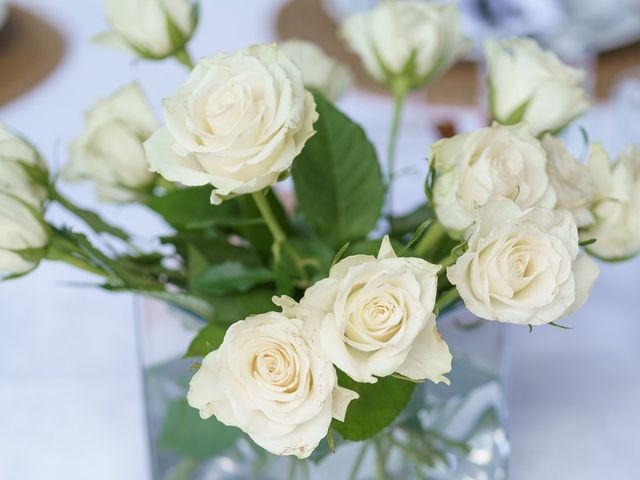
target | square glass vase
x=455, y=432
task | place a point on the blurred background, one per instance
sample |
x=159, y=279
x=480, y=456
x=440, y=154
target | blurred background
x=71, y=403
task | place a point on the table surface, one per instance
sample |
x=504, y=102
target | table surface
x=70, y=391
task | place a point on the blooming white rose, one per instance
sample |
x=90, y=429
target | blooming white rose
x=110, y=152
x=523, y=266
x=267, y=380
x=320, y=71
x=15, y=155
x=571, y=181
x=151, y=28
x=409, y=41
x=497, y=161
x=532, y=85
x=374, y=316
x=237, y=123
x=617, y=204
x=21, y=228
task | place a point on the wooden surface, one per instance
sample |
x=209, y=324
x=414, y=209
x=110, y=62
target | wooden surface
x=30, y=49
x=307, y=20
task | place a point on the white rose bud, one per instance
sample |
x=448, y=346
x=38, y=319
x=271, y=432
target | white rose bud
x=374, y=317
x=523, y=266
x=570, y=180
x=406, y=43
x=153, y=29
x=617, y=204
x=497, y=161
x=110, y=152
x=237, y=123
x=22, y=171
x=21, y=228
x=528, y=84
x=320, y=71
x=267, y=380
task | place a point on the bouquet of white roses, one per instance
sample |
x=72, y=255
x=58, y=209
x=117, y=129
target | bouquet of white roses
x=318, y=308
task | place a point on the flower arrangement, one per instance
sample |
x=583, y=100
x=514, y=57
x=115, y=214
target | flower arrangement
x=316, y=311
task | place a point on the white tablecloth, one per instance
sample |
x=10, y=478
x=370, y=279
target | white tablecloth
x=70, y=391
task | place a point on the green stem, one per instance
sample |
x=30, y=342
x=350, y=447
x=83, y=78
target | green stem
x=279, y=237
x=400, y=91
x=447, y=298
x=184, y=58
x=430, y=239
x=90, y=218
x=62, y=255
x=292, y=469
x=184, y=470
x=269, y=218
x=380, y=461
x=359, y=459
x=448, y=260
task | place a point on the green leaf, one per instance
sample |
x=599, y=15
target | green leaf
x=557, y=325
x=229, y=222
x=315, y=253
x=378, y=406
x=370, y=247
x=191, y=303
x=186, y=434
x=517, y=115
x=197, y=263
x=202, y=249
x=207, y=340
x=410, y=222
x=415, y=237
x=259, y=235
x=337, y=178
x=188, y=205
x=229, y=277
x=231, y=308
x=586, y=243
x=282, y=272
x=340, y=253
x=90, y=218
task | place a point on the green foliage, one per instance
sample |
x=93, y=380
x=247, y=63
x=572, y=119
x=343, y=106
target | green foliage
x=90, y=218
x=408, y=223
x=186, y=434
x=370, y=247
x=208, y=339
x=337, y=178
x=191, y=206
x=229, y=277
x=415, y=237
x=231, y=308
x=378, y=406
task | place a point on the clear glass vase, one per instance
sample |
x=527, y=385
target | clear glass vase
x=451, y=432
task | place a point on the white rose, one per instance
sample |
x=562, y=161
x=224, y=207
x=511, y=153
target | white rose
x=617, y=204
x=374, y=316
x=267, y=380
x=21, y=228
x=110, y=152
x=532, y=85
x=151, y=28
x=409, y=41
x=320, y=71
x=523, y=266
x=497, y=161
x=15, y=155
x=570, y=180
x=237, y=123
